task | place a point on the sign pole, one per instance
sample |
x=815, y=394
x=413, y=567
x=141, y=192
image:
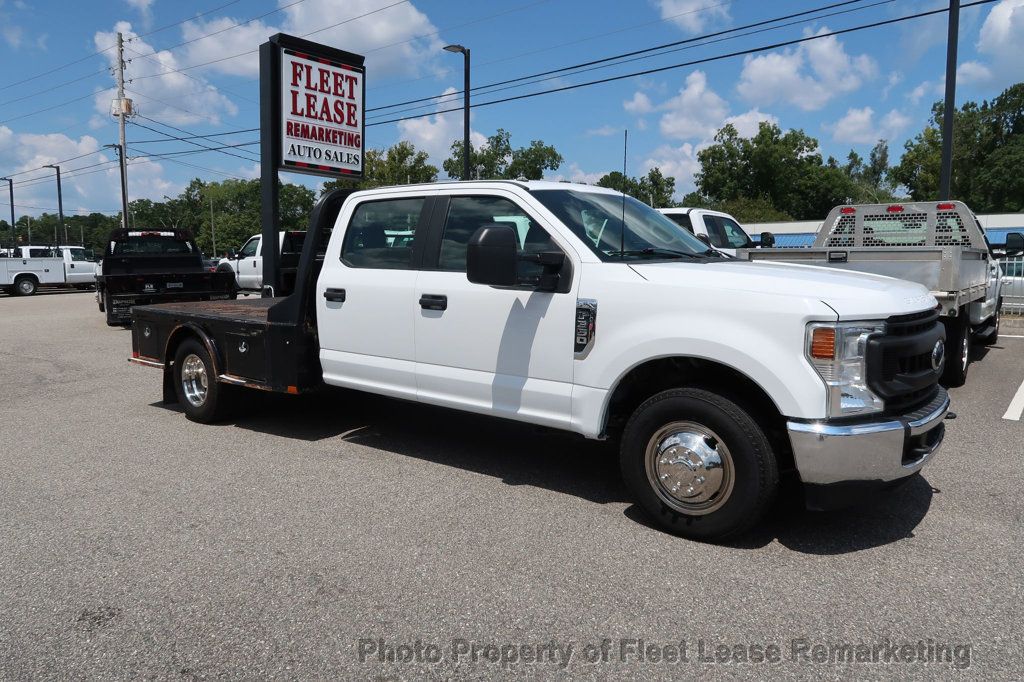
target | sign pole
x=270, y=196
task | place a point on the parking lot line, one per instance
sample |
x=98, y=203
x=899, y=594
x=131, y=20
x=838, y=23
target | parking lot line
x=1016, y=405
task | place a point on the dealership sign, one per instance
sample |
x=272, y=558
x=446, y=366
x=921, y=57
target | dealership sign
x=317, y=96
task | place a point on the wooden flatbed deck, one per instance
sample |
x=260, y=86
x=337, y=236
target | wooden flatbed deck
x=247, y=310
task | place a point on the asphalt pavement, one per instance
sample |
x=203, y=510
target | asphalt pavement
x=350, y=536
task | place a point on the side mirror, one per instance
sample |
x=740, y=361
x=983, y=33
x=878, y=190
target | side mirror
x=1014, y=244
x=492, y=254
x=704, y=238
x=767, y=240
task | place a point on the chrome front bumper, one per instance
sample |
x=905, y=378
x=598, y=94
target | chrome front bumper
x=826, y=453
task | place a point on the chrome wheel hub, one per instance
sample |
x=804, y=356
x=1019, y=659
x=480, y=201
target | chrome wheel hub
x=25, y=286
x=194, y=380
x=965, y=350
x=689, y=467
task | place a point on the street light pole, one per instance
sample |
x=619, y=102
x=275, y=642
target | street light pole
x=465, y=108
x=60, y=203
x=949, y=106
x=10, y=188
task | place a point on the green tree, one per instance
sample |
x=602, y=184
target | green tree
x=987, y=152
x=654, y=188
x=399, y=164
x=783, y=170
x=496, y=159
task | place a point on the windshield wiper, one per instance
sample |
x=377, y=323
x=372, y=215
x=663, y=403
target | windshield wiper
x=659, y=253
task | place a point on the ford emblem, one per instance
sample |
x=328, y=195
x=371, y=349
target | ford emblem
x=938, y=355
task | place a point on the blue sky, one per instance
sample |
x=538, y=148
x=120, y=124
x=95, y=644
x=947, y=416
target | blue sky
x=846, y=91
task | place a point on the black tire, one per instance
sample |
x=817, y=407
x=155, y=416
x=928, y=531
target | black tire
x=212, y=405
x=108, y=309
x=25, y=285
x=958, y=350
x=993, y=338
x=100, y=301
x=748, y=472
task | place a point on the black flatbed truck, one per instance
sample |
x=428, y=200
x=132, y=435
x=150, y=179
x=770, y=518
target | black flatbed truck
x=154, y=266
x=267, y=344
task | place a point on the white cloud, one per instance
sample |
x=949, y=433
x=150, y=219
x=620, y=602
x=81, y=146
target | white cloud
x=678, y=162
x=435, y=134
x=858, y=126
x=692, y=15
x=170, y=97
x=638, y=104
x=748, y=123
x=696, y=112
x=603, y=131
x=85, y=191
x=973, y=73
x=396, y=27
x=577, y=174
x=808, y=76
x=13, y=35
x=925, y=89
x=144, y=8
x=1000, y=39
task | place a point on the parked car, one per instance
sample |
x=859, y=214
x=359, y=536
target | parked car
x=154, y=266
x=30, y=267
x=939, y=245
x=715, y=376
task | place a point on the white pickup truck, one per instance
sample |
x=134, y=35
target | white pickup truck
x=716, y=376
x=32, y=267
x=715, y=228
x=940, y=245
x=247, y=263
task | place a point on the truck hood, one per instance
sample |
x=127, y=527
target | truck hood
x=853, y=295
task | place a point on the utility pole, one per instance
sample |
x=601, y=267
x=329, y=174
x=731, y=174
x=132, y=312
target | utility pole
x=213, y=230
x=949, y=106
x=10, y=188
x=60, y=203
x=122, y=109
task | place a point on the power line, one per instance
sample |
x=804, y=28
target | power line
x=198, y=137
x=655, y=48
x=55, y=106
x=181, y=139
x=560, y=44
x=191, y=18
x=694, y=62
x=168, y=70
x=108, y=49
x=379, y=9
x=491, y=89
x=51, y=208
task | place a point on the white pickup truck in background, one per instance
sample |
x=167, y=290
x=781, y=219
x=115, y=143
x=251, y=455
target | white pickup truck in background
x=247, y=263
x=714, y=228
x=938, y=245
x=32, y=267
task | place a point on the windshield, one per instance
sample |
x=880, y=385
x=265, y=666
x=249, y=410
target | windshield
x=597, y=220
x=78, y=255
x=725, y=233
x=152, y=244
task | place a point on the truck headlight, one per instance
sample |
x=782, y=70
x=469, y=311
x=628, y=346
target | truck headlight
x=837, y=352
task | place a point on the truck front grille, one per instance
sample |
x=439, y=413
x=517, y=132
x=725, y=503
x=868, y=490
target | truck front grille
x=899, y=364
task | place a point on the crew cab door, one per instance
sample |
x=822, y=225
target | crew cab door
x=77, y=268
x=365, y=296
x=503, y=351
x=246, y=266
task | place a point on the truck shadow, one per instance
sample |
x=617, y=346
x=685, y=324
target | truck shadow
x=521, y=454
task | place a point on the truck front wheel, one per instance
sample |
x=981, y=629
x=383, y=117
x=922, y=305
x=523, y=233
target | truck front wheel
x=698, y=464
x=199, y=392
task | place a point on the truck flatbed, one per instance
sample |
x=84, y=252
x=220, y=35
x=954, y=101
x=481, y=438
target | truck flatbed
x=243, y=310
